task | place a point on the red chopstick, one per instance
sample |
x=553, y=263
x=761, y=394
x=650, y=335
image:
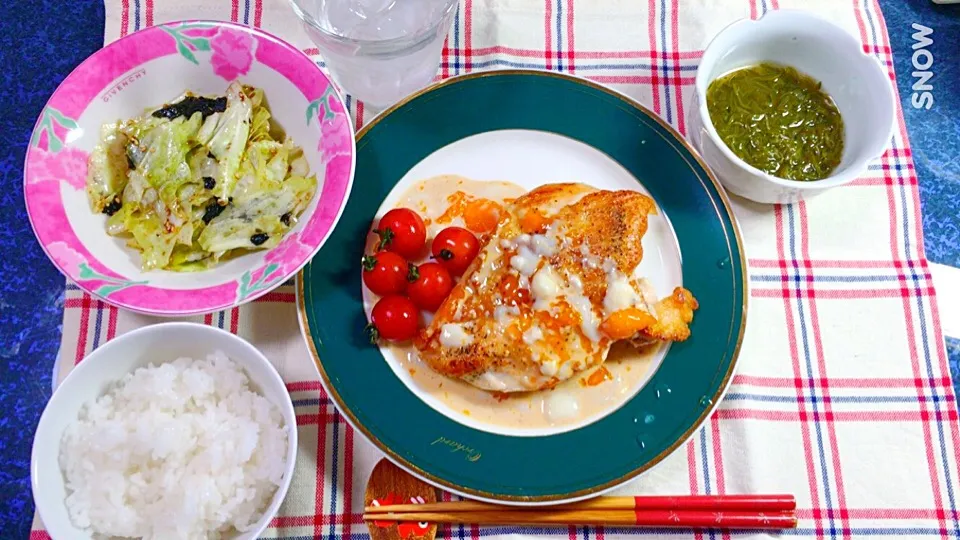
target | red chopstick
x=747, y=503
x=699, y=519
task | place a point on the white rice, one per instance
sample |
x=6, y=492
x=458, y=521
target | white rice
x=181, y=450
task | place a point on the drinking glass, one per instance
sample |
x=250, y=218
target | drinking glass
x=378, y=50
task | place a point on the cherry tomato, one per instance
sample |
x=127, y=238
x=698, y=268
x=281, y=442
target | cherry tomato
x=385, y=273
x=455, y=248
x=401, y=231
x=430, y=283
x=394, y=318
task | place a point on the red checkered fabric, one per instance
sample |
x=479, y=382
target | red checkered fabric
x=843, y=395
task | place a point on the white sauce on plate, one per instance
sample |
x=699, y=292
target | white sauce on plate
x=569, y=403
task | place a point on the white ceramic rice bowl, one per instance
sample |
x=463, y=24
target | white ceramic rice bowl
x=159, y=343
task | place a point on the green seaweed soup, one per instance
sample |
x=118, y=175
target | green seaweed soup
x=778, y=120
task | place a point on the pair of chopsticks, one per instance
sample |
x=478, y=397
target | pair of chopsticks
x=686, y=511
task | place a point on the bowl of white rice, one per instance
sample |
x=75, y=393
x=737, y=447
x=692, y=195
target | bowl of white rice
x=175, y=430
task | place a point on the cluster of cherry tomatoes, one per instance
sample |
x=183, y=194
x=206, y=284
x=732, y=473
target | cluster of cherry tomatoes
x=406, y=288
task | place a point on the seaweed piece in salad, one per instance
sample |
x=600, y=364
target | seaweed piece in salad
x=199, y=179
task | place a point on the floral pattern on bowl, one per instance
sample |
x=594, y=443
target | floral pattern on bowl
x=147, y=69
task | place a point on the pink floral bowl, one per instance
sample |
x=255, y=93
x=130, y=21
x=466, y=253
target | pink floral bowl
x=147, y=69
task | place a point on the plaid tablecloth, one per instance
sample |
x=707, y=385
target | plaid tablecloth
x=843, y=395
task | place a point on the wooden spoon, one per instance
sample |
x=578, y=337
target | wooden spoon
x=389, y=484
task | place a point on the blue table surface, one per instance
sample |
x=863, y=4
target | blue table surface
x=44, y=40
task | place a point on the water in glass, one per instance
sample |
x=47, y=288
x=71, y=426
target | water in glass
x=379, y=50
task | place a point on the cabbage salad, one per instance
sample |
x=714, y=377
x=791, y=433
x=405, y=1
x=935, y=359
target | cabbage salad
x=199, y=180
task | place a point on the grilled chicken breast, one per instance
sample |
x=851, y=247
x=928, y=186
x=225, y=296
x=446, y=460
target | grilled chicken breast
x=551, y=289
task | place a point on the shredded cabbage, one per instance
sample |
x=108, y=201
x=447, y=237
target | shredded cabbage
x=189, y=191
x=107, y=170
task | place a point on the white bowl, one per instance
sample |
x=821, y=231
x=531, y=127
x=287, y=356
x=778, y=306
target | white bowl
x=857, y=82
x=156, y=344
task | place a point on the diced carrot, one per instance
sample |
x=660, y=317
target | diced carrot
x=626, y=322
x=481, y=215
x=533, y=222
x=565, y=316
x=599, y=376
x=513, y=294
x=513, y=332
